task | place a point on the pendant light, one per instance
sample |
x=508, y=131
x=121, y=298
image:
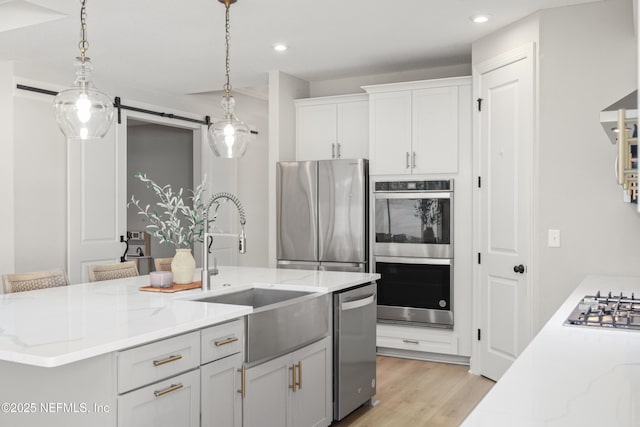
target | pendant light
x=83, y=112
x=229, y=136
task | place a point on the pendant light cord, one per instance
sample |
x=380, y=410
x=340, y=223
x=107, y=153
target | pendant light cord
x=227, y=85
x=83, y=44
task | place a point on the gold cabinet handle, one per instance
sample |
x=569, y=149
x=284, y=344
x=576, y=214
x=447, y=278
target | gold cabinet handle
x=225, y=341
x=243, y=385
x=299, y=375
x=622, y=144
x=293, y=380
x=172, y=387
x=410, y=341
x=167, y=360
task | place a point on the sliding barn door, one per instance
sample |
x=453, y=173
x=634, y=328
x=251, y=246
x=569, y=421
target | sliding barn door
x=97, y=193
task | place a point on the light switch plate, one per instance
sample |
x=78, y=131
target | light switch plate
x=554, y=238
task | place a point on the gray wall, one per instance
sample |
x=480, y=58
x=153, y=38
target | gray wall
x=165, y=154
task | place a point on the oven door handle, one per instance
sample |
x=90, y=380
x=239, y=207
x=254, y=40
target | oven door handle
x=361, y=302
x=412, y=195
x=406, y=260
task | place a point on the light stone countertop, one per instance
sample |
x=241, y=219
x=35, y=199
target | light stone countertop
x=571, y=375
x=56, y=326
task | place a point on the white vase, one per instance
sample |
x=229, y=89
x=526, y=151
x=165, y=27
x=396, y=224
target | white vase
x=183, y=267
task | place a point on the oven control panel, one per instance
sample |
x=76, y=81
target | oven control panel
x=441, y=185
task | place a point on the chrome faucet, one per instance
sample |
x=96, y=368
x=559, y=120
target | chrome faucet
x=208, y=237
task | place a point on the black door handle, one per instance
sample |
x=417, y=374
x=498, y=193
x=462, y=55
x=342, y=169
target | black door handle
x=518, y=269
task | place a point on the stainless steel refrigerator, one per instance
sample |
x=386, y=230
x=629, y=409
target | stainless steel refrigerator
x=323, y=215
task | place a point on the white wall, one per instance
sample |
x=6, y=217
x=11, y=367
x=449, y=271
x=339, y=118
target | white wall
x=353, y=84
x=253, y=181
x=40, y=184
x=165, y=154
x=587, y=61
x=7, y=257
x=283, y=89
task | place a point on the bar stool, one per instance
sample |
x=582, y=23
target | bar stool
x=121, y=270
x=32, y=281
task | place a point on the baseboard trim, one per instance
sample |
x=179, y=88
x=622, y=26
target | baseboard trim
x=421, y=355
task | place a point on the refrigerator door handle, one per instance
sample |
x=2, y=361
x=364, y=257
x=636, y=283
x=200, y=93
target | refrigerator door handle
x=358, y=302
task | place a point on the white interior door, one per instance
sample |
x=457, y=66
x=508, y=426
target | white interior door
x=505, y=127
x=97, y=193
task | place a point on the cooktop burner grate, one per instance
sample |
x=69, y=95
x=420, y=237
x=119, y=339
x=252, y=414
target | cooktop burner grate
x=611, y=311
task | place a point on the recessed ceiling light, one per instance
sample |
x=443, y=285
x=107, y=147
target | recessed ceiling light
x=480, y=19
x=280, y=47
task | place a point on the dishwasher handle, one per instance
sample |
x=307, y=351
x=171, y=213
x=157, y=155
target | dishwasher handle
x=361, y=302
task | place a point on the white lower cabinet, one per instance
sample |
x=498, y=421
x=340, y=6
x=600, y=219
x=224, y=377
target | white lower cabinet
x=221, y=401
x=169, y=403
x=293, y=390
x=163, y=383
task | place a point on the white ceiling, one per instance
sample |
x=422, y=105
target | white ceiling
x=178, y=46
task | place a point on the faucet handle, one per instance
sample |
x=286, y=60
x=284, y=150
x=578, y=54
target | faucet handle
x=242, y=243
x=209, y=242
x=214, y=270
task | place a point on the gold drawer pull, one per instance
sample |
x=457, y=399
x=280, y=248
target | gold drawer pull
x=167, y=360
x=172, y=387
x=225, y=342
x=410, y=341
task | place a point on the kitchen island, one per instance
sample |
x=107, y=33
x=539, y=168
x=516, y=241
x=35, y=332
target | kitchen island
x=60, y=347
x=571, y=375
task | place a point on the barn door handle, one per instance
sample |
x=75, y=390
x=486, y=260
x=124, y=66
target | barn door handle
x=123, y=258
x=518, y=269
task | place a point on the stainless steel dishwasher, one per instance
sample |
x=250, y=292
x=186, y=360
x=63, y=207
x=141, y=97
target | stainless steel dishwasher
x=354, y=340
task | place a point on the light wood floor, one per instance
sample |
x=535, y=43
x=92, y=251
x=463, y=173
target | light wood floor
x=418, y=393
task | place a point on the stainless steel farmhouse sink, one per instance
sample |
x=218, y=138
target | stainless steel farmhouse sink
x=255, y=297
x=282, y=320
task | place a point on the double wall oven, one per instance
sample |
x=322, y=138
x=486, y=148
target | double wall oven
x=413, y=251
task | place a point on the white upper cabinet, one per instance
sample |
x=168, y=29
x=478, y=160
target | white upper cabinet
x=434, y=130
x=390, y=127
x=414, y=126
x=334, y=127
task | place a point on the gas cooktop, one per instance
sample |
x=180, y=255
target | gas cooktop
x=611, y=311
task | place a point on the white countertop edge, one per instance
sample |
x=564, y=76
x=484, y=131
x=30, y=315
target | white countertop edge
x=121, y=344
x=239, y=278
x=520, y=396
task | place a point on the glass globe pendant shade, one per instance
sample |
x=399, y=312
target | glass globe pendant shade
x=83, y=112
x=228, y=138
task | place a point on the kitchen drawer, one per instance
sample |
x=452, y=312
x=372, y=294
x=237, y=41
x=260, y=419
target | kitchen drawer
x=153, y=362
x=169, y=403
x=416, y=338
x=222, y=340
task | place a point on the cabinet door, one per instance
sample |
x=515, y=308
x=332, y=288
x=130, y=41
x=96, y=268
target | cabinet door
x=266, y=402
x=312, y=399
x=390, y=133
x=353, y=130
x=169, y=403
x=221, y=401
x=435, y=130
x=315, y=131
